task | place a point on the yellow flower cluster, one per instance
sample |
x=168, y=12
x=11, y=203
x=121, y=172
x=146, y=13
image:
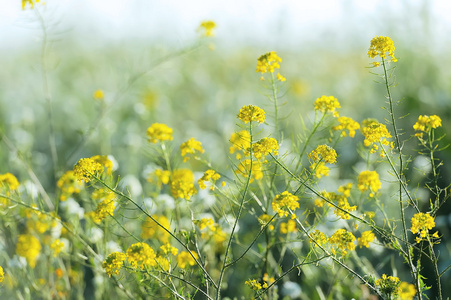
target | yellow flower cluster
x=319, y=237
x=159, y=132
x=255, y=285
x=113, y=263
x=57, y=246
x=265, y=219
x=388, y=285
x=240, y=142
x=69, y=185
x=167, y=248
x=374, y=132
x=380, y=45
x=2, y=274
x=425, y=123
x=28, y=246
x=245, y=166
x=251, y=113
x=159, y=177
x=150, y=229
x=214, y=231
x=422, y=223
x=268, y=62
x=182, y=184
x=345, y=189
x=207, y=27
x=105, y=162
x=346, y=123
x=31, y=2
x=323, y=153
x=287, y=227
x=209, y=175
x=9, y=180
x=190, y=147
x=344, y=240
x=327, y=104
x=86, y=168
x=263, y=147
x=369, y=180
x=140, y=255
x=342, y=203
x=104, y=209
x=320, y=169
x=366, y=238
x=284, y=202
x=186, y=258
x=406, y=291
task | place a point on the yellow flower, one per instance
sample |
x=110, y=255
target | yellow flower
x=406, y=291
x=320, y=169
x=245, y=166
x=366, y=238
x=253, y=284
x=2, y=274
x=324, y=153
x=69, y=185
x=319, y=237
x=9, y=180
x=167, y=248
x=162, y=177
x=251, y=113
x=425, y=123
x=344, y=240
x=140, y=255
x=380, y=45
x=280, y=77
x=422, y=223
x=268, y=62
x=163, y=263
x=289, y=226
x=98, y=95
x=31, y=2
x=185, y=258
x=240, y=142
x=86, y=168
x=327, y=104
x=369, y=180
x=159, y=132
x=209, y=175
x=204, y=223
x=347, y=123
x=150, y=229
x=28, y=246
x=105, y=162
x=283, y=202
x=182, y=184
x=342, y=203
x=207, y=27
x=264, y=219
x=190, y=147
x=104, y=209
x=263, y=147
x=113, y=263
x=345, y=189
x=56, y=246
x=374, y=132
x=388, y=285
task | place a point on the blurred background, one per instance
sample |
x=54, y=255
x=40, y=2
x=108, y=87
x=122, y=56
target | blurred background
x=153, y=65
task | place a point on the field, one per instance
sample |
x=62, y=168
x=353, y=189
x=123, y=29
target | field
x=200, y=171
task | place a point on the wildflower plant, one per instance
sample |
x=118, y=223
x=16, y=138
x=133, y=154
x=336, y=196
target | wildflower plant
x=197, y=229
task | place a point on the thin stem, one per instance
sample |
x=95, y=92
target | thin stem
x=246, y=187
x=413, y=270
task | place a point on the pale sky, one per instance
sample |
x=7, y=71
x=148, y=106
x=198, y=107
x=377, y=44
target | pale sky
x=268, y=21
